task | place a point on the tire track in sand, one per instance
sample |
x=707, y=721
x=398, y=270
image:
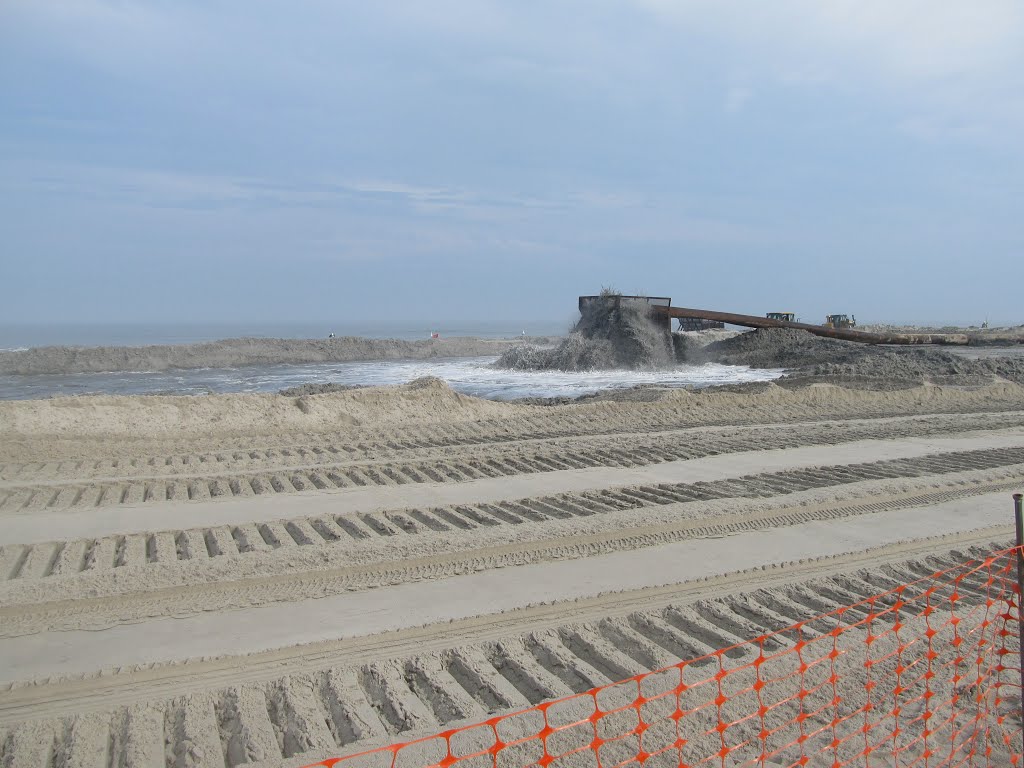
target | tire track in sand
x=138, y=486
x=33, y=613
x=311, y=702
x=253, y=540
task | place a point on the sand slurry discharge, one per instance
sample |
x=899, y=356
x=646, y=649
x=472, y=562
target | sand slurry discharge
x=615, y=333
x=270, y=580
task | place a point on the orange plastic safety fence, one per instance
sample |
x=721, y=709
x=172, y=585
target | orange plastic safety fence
x=926, y=674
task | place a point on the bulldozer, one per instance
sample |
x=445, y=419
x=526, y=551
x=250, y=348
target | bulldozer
x=789, y=317
x=840, y=321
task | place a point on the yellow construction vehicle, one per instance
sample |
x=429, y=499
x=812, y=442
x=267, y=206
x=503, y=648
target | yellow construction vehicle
x=789, y=317
x=840, y=321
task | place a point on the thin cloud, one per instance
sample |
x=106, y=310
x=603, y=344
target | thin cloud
x=736, y=99
x=906, y=38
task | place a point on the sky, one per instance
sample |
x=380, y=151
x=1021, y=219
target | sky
x=451, y=162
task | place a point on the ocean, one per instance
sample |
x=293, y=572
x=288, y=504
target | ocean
x=472, y=376
x=15, y=336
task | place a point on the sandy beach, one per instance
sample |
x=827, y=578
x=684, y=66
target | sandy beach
x=276, y=579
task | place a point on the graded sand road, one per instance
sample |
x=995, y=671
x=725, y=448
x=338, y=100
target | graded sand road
x=228, y=570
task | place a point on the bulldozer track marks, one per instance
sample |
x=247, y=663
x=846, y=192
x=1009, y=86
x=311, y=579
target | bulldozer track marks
x=289, y=582
x=300, y=703
x=29, y=487
x=343, y=696
x=196, y=545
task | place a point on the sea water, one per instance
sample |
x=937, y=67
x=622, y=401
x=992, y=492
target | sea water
x=472, y=376
x=16, y=336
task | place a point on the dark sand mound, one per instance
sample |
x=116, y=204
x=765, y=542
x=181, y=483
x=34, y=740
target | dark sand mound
x=926, y=365
x=617, y=333
x=782, y=348
x=807, y=355
x=318, y=389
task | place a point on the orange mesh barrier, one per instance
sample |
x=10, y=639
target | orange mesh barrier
x=926, y=674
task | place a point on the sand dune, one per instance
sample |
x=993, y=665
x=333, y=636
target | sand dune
x=431, y=401
x=420, y=402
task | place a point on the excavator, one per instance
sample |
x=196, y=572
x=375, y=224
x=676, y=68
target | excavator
x=840, y=321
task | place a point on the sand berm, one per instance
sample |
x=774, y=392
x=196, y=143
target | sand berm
x=230, y=353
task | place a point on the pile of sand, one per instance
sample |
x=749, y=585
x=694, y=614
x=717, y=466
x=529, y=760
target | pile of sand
x=232, y=353
x=781, y=348
x=313, y=388
x=925, y=365
x=424, y=401
x=615, y=333
x=806, y=355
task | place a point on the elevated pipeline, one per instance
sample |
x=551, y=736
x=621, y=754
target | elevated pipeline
x=846, y=334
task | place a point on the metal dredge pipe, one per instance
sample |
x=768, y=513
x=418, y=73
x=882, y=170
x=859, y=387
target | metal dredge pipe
x=846, y=334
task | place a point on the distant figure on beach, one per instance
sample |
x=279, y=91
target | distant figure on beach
x=435, y=335
x=330, y=336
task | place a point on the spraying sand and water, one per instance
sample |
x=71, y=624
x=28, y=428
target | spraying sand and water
x=624, y=334
x=613, y=333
